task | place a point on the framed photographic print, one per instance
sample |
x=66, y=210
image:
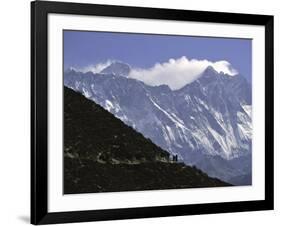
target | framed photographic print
x=145, y=112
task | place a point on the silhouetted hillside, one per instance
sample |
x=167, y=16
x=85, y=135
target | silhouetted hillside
x=102, y=154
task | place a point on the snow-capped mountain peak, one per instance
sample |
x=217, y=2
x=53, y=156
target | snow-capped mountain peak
x=117, y=68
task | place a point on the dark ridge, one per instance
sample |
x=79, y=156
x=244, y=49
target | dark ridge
x=102, y=154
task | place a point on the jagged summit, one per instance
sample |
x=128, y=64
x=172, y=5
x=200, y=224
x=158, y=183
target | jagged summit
x=211, y=73
x=210, y=69
x=117, y=68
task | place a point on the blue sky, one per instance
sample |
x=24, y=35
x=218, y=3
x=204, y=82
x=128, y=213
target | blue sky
x=82, y=48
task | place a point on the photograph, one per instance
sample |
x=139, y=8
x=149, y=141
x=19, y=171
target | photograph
x=142, y=112
x=146, y=111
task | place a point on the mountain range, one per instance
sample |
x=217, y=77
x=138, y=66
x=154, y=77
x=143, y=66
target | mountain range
x=206, y=123
x=102, y=154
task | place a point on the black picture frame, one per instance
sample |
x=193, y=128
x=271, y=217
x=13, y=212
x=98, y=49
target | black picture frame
x=39, y=112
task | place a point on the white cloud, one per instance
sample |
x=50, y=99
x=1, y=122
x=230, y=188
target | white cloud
x=176, y=73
